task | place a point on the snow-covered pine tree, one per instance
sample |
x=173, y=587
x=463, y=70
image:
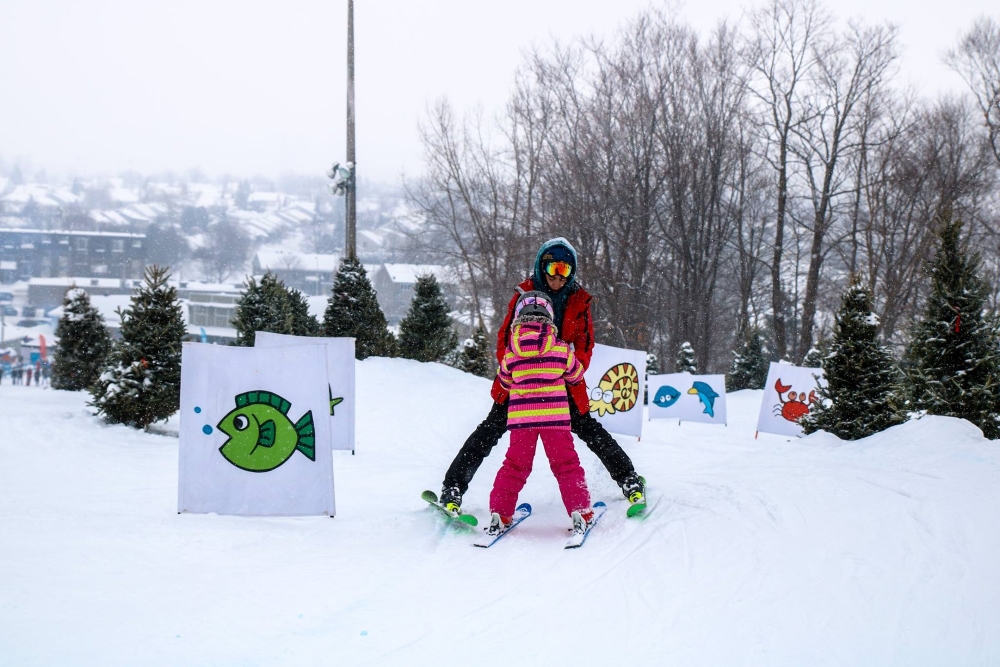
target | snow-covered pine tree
x=813, y=358
x=141, y=382
x=863, y=393
x=271, y=306
x=426, y=334
x=303, y=323
x=953, y=354
x=685, y=360
x=84, y=343
x=476, y=356
x=352, y=310
x=750, y=363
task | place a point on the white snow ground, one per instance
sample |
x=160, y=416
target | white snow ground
x=759, y=552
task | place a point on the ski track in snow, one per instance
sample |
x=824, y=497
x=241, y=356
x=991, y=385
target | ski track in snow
x=772, y=551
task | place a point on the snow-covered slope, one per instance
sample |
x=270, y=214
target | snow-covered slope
x=758, y=552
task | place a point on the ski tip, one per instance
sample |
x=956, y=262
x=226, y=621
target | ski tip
x=600, y=503
x=525, y=506
x=429, y=496
x=635, y=510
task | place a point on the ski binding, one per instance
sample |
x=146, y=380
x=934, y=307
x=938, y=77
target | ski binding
x=461, y=517
x=522, y=512
x=579, y=537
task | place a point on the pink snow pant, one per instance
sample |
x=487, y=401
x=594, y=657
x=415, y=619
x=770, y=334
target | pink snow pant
x=563, y=460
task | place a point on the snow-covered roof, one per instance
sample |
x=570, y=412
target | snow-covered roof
x=108, y=217
x=277, y=260
x=373, y=237
x=304, y=205
x=268, y=197
x=295, y=215
x=82, y=282
x=124, y=195
x=408, y=273
x=42, y=195
x=209, y=288
x=206, y=194
x=368, y=205
x=60, y=232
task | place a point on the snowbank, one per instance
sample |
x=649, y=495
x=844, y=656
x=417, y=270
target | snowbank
x=757, y=552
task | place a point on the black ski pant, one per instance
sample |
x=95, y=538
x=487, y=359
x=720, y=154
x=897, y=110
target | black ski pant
x=478, y=446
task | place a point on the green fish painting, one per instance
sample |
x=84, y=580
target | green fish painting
x=334, y=402
x=261, y=436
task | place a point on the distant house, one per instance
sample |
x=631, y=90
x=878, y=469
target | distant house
x=49, y=253
x=264, y=201
x=208, y=309
x=394, y=285
x=47, y=293
x=42, y=205
x=309, y=273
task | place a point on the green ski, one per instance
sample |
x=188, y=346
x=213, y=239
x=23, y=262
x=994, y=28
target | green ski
x=466, y=519
x=640, y=507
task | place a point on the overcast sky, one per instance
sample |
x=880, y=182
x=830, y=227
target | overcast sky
x=246, y=87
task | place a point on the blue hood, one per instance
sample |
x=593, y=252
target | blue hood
x=559, y=298
x=549, y=245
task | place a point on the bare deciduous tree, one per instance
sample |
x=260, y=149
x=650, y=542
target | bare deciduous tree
x=977, y=61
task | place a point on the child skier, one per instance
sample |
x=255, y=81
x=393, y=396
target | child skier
x=535, y=369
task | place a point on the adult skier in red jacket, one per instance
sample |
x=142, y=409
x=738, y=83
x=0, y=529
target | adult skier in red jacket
x=555, y=275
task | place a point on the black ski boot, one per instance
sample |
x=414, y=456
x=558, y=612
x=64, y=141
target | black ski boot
x=451, y=499
x=634, y=488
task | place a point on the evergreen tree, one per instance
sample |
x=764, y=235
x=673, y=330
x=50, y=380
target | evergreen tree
x=352, y=310
x=84, y=344
x=476, y=356
x=685, y=362
x=813, y=358
x=953, y=352
x=270, y=306
x=263, y=306
x=141, y=382
x=426, y=334
x=863, y=394
x=303, y=323
x=750, y=363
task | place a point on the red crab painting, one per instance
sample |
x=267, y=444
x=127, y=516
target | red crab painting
x=795, y=406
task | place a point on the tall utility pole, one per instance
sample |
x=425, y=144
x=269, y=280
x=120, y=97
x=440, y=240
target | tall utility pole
x=350, y=246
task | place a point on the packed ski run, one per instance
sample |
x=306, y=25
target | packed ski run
x=767, y=551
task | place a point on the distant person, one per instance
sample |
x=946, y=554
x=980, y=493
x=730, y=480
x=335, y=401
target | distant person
x=535, y=370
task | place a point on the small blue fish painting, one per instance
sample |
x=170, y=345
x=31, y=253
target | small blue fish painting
x=666, y=396
x=706, y=395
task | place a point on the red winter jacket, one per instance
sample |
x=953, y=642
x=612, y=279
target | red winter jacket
x=577, y=330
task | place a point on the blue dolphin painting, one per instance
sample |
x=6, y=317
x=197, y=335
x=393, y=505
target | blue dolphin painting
x=666, y=396
x=706, y=395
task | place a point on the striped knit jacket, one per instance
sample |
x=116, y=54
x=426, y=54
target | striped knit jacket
x=535, y=370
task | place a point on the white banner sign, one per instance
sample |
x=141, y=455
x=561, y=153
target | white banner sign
x=615, y=380
x=340, y=370
x=686, y=397
x=789, y=394
x=255, y=432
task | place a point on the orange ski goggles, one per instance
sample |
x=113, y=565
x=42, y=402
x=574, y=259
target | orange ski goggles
x=564, y=269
